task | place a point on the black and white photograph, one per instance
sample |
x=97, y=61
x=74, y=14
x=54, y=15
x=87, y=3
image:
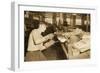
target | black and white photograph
x=50, y=36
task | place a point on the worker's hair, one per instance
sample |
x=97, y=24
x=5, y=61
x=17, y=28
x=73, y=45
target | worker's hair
x=36, y=24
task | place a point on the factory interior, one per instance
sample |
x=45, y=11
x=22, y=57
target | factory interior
x=71, y=35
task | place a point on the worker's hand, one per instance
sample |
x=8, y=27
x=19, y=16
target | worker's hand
x=49, y=36
x=49, y=43
x=58, y=33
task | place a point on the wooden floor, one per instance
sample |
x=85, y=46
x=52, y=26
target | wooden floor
x=84, y=55
x=54, y=52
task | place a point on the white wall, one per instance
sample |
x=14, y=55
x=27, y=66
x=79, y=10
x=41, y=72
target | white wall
x=5, y=35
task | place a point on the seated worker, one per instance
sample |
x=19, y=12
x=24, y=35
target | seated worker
x=37, y=43
x=79, y=42
x=69, y=38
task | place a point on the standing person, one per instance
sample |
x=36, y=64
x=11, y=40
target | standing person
x=36, y=43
